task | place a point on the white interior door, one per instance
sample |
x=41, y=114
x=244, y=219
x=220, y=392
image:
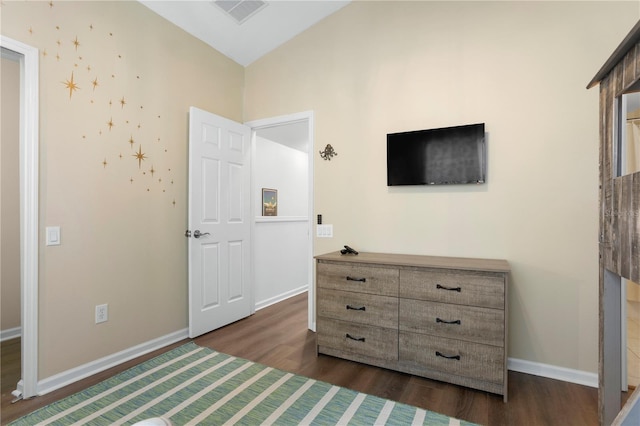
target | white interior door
x=219, y=222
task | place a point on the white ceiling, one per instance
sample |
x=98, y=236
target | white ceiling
x=294, y=135
x=273, y=25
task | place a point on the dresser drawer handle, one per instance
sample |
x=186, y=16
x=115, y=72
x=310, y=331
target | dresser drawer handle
x=362, y=280
x=440, y=354
x=448, y=322
x=360, y=308
x=458, y=289
x=359, y=339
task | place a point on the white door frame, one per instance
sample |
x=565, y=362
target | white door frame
x=280, y=121
x=29, y=106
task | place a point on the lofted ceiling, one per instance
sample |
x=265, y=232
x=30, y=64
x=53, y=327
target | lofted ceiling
x=244, y=30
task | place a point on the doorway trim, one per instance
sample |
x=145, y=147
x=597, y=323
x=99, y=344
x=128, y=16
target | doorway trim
x=280, y=121
x=29, y=220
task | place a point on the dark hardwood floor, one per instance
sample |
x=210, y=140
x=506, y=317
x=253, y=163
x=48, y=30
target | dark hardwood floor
x=277, y=336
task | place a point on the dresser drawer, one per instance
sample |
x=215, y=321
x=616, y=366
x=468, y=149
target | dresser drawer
x=362, y=308
x=376, y=342
x=453, y=286
x=481, y=325
x=359, y=278
x=472, y=360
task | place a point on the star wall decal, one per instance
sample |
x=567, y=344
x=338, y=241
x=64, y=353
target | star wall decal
x=140, y=156
x=63, y=46
x=71, y=85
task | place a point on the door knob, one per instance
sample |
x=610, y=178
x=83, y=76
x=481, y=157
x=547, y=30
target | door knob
x=198, y=234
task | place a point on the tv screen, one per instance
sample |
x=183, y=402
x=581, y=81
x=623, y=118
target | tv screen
x=449, y=155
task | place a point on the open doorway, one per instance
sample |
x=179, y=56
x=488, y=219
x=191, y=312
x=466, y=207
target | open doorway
x=282, y=171
x=10, y=321
x=27, y=57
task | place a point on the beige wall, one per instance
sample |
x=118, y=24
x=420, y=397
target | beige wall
x=372, y=68
x=122, y=225
x=521, y=68
x=10, y=201
x=633, y=291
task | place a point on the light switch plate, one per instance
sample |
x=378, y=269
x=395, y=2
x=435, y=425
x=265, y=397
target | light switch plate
x=324, y=231
x=53, y=235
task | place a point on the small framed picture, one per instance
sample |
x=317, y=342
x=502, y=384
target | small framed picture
x=269, y=202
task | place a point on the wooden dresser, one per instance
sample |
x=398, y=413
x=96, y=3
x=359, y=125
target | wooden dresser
x=438, y=317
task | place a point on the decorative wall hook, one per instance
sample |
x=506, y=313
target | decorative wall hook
x=328, y=152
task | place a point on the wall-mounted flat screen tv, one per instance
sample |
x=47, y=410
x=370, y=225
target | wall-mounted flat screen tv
x=449, y=155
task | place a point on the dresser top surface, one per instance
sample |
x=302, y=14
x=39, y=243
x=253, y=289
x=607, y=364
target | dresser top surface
x=463, y=263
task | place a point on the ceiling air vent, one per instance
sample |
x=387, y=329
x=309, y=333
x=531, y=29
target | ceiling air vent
x=240, y=10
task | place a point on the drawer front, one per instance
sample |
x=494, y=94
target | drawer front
x=376, y=342
x=358, y=307
x=481, y=325
x=473, y=360
x=453, y=286
x=359, y=278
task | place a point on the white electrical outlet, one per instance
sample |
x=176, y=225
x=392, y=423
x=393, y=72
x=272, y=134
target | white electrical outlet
x=102, y=313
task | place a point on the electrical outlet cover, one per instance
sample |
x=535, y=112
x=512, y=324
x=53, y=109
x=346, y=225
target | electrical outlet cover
x=102, y=313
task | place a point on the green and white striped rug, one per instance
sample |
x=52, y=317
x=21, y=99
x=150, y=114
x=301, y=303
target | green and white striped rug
x=192, y=385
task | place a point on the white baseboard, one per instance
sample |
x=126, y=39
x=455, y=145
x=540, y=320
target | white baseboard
x=10, y=333
x=70, y=376
x=553, y=372
x=280, y=297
